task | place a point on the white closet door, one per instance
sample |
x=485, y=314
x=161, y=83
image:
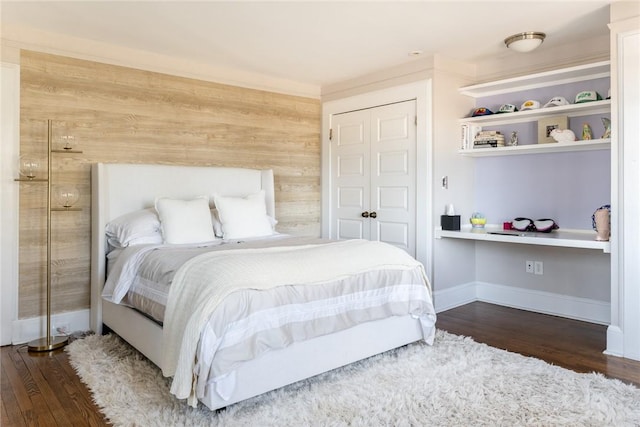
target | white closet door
x=373, y=154
x=393, y=175
x=350, y=159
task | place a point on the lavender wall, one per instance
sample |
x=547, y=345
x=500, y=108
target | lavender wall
x=567, y=187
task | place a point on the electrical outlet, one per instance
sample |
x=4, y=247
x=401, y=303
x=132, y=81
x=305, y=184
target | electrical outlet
x=529, y=266
x=538, y=268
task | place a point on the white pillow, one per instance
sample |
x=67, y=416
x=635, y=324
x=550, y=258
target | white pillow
x=244, y=217
x=142, y=226
x=185, y=221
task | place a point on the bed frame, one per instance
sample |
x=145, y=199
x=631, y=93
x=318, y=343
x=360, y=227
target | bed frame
x=121, y=188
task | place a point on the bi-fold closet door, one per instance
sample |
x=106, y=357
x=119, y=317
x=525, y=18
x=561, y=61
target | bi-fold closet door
x=373, y=174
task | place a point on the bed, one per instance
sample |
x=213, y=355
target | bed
x=120, y=189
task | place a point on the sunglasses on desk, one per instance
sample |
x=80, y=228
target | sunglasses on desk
x=545, y=225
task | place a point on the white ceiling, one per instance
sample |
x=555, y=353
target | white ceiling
x=313, y=42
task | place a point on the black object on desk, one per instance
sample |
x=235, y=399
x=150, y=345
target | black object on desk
x=450, y=222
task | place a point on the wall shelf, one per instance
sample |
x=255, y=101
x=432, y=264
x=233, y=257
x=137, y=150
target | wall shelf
x=572, y=110
x=557, y=147
x=538, y=80
x=584, y=239
x=470, y=126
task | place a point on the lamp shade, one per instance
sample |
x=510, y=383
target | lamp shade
x=525, y=42
x=67, y=195
x=29, y=167
x=67, y=141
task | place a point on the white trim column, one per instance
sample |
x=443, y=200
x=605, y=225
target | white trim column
x=9, y=152
x=623, y=335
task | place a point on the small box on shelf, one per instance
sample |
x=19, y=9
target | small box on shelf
x=450, y=222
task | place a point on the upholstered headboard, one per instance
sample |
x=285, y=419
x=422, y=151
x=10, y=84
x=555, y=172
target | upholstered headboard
x=121, y=188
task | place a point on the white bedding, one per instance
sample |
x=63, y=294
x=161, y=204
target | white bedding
x=140, y=276
x=202, y=284
x=354, y=282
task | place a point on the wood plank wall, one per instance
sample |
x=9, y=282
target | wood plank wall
x=119, y=114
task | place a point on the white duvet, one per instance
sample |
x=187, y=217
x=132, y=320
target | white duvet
x=203, y=282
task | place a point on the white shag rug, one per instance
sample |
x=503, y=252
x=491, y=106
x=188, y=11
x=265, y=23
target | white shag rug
x=455, y=382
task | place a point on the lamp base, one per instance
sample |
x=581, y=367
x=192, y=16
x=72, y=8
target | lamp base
x=53, y=344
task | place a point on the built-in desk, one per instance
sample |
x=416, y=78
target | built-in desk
x=585, y=239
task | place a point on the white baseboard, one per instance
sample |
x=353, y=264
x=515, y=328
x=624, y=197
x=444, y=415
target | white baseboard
x=25, y=330
x=577, y=308
x=615, y=341
x=447, y=299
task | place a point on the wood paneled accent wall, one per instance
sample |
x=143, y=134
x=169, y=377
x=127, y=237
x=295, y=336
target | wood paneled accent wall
x=119, y=114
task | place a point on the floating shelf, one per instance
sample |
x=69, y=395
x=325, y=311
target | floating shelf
x=584, y=239
x=66, y=150
x=538, y=80
x=556, y=147
x=571, y=110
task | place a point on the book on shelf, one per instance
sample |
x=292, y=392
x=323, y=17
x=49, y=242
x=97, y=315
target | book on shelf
x=480, y=147
x=496, y=139
x=490, y=138
x=483, y=133
x=488, y=144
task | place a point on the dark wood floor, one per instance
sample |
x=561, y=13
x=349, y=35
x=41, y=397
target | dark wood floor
x=563, y=342
x=44, y=390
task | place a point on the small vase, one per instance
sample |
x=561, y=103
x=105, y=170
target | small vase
x=603, y=230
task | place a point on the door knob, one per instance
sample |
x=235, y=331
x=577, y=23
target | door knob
x=365, y=214
x=373, y=215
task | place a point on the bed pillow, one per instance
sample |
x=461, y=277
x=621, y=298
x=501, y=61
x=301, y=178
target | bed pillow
x=185, y=221
x=243, y=217
x=138, y=227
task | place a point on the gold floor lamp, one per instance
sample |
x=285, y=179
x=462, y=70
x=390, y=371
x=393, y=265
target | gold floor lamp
x=68, y=196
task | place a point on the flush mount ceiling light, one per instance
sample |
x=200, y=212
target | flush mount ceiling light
x=525, y=42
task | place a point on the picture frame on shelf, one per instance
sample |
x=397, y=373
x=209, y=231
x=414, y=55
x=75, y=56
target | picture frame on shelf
x=547, y=124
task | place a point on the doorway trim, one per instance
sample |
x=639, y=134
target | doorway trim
x=9, y=151
x=421, y=91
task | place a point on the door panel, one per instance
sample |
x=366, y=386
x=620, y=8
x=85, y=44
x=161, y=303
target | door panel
x=394, y=233
x=393, y=198
x=393, y=126
x=393, y=163
x=351, y=166
x=350, y=229
x=352, y=133
x=351, y=197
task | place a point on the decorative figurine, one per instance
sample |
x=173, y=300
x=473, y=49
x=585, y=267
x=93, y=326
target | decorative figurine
x=586, y=132
x=601, y=221
x=563, y=135
x=607, y=128
x=514, y=138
